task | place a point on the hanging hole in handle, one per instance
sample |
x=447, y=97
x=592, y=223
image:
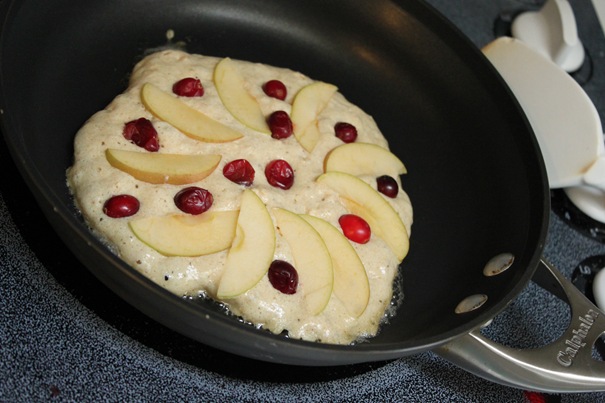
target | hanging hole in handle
x=539, y=318
x=598, y=349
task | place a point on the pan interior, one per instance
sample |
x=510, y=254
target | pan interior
x=475, y=177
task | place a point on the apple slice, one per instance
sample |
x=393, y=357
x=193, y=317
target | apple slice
x=187, y=235
x=190, y=121
x=231, y=88
x=364, y=159
x=361, y=199
x=351, y=285
x=306, y=107
x=175, y=169
x=252, y=250
x=312, y=259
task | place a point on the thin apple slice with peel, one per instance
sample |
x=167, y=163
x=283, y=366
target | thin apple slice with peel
x=187, y=235
x=363, y=200
x=351, y=285
x=308, y=103
x=157, y=168
x=252, y=250
x=312, y=259
x=231, y=88
x=364, y=159
x=191, y=122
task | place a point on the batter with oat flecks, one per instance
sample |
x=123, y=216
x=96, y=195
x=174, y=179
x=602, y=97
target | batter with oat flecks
x=252, y=185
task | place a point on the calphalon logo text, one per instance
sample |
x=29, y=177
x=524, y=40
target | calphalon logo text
x=576, y=342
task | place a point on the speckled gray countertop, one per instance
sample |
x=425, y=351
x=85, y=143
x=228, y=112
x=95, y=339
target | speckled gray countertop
x=65, y=337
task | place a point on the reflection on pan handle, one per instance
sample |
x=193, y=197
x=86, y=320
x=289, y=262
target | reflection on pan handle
x=566, y=365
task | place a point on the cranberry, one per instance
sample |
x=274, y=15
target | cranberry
x=121, y=206
x=355, y=228
x=279, y=174
x=280, y=124
x=239, y=171
x=275, y=89
x=283, y=277
x=193, y=200
x=188, y=87
x=387, y=185
x=142, y=133
x=345, y=131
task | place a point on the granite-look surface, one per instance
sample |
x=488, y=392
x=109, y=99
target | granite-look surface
x=65, y=337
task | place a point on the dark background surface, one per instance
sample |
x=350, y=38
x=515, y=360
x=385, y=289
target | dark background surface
x=65, y=337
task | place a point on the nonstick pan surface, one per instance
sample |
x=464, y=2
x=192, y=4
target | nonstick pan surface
x=476, y=178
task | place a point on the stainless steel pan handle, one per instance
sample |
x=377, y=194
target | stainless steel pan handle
x=565, y=365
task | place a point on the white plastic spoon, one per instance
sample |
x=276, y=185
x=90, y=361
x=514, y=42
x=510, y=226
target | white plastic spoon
x=564, y=119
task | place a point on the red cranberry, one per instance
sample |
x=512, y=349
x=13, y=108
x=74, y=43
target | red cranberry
x=345, y=131
x=279, y=174
x=193, y=200
x=188, y=87
x=121, y=206
x=239, y=171
x=275, y=89
x=142, y=133
x=387, y=185
x=280, y=124
x=283, y=277
x=355, y=228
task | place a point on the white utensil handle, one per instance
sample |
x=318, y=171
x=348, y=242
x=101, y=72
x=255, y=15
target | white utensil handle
x=595, y=174
x=566, y=365
x=566, y=122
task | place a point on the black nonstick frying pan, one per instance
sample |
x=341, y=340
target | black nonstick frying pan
x=476, y=178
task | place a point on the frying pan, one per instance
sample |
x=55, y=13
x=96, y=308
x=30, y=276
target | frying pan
x=476, y=177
